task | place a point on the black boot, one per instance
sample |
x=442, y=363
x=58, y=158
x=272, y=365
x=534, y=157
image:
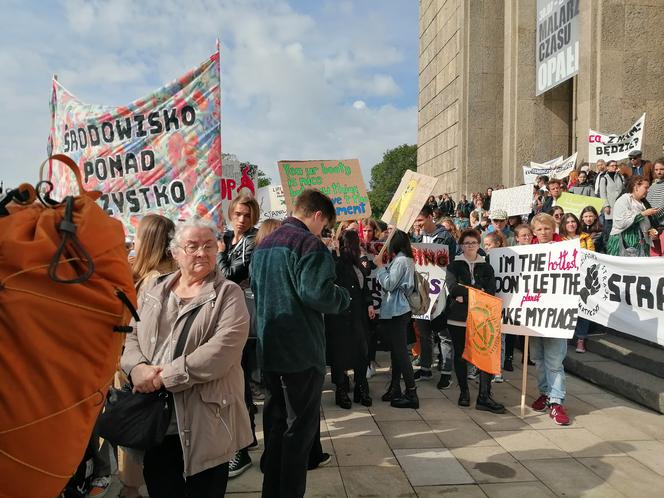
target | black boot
x=408, y=400
x=484, y=400
x=361, y=394
x=508, y=366
x=341, y=397
x=464, y=397
x=393, y=392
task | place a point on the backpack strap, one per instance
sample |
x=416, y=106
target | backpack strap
x=179, y=347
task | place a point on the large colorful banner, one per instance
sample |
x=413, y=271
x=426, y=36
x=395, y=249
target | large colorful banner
x=574, y=203
x=557, y=50
x=483, y=331
x=407, y=202
x=539, y=285
x=431, y=261
x=626, y=294
x=159, y=154
x=614, y=147
x=558, y=169
x=340, y=180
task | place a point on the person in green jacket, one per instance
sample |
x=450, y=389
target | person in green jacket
x=292, y=277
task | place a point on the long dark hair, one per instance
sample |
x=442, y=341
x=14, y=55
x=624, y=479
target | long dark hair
x=401, y=243
x=349, y=247
x=563, y=222
x=595, y=227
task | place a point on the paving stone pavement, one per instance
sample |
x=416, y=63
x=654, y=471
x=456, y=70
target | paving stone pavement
x=613, y=448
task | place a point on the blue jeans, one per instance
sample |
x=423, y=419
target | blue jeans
x=582, y=328
x=446, y=352
x=548, y=355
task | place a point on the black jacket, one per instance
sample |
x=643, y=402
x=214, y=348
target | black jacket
x=347, y=332
x=234, y=261
x=458, y=275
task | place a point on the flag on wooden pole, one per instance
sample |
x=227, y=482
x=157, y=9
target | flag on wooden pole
x=483, y=335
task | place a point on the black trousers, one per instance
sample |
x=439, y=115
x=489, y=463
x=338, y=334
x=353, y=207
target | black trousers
x=510, y=341
x=291, y=422
x=458, y=335
x=397, y=331
x=163, y=467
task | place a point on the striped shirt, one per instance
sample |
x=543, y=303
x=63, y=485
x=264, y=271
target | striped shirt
x=656, y=199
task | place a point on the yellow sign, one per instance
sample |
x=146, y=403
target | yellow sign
x=408, y=200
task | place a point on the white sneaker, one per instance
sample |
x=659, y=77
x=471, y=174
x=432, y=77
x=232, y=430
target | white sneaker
x=99, y=486
x=371, y=370
x=498, y=378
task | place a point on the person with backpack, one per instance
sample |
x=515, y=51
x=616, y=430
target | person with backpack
x=397, y=280
x=468, y=269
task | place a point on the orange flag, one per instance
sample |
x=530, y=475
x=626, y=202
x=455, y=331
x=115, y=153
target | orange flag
x=483, y=335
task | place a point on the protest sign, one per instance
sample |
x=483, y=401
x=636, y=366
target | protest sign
x=539, y=285
x=272, y=202
x=483, y=336
x=408, y=200
x=557, y=49
x=431, y=261
x=626, y=294
x=340, y=180
x=573, y=203
x=515, y=201
x=160, y=154
x=559, y=169
x=614, y=147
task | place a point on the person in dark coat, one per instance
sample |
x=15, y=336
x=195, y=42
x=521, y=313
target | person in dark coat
x=348, y=332
x=468, y=269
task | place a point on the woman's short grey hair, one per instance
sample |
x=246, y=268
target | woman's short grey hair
x=183, y=226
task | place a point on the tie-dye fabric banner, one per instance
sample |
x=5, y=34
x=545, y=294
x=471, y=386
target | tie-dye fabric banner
x=160, y=154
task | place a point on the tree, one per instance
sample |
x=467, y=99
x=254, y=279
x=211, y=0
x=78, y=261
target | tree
x=386, y=175
x=262, y=179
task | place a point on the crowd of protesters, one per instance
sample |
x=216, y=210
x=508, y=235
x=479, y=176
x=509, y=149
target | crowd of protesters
x=272, y=307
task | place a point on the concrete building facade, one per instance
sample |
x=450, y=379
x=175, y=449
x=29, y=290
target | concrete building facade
x=479, y=120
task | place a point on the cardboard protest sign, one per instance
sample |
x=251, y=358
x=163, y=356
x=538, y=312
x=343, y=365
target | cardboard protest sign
x=626, y=294
x=238, y=178
x=559, y=169
x=539, y=285
x=614, y=147
x=557, y=51
x=483, y=331
x=408, y=200
x=340, y=180
x=431, y=261
x=272, y=202
x=573, y=203
x=515, y=201
x=159, y=154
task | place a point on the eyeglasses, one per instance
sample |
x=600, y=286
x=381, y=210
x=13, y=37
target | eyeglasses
x=470, y=244
x=191, y=249
x=557, y=215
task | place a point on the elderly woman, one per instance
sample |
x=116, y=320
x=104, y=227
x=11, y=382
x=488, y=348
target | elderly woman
x=631, y=233
x=210, y=421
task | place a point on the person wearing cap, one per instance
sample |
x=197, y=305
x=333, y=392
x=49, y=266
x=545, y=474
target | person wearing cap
x=637, y=166
x=499, y=224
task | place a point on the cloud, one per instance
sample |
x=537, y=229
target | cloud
x=293, y=78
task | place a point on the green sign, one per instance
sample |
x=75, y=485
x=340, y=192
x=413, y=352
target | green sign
x=573, y=203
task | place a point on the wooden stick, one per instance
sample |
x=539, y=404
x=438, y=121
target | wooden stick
x=525, y=376
x=387, y=243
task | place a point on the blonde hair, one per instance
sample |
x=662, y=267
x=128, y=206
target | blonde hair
x=266, y=228
x=250, y=202
x=544, y=219
x=155, y=234
x=454, y=230
x=497, y=238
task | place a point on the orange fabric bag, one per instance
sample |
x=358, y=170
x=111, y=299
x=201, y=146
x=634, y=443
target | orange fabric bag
x=59, y=342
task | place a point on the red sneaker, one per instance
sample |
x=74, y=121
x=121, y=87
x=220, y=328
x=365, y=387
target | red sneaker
x=541, y=404
x=558, y=414
x=581, y=346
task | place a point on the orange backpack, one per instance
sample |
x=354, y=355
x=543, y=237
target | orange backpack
x=66, y=290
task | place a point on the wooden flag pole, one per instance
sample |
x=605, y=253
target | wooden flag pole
x=386, y=244
x=525, y=376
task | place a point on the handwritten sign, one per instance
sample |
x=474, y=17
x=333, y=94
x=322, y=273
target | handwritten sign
x=408, y=200
x=272, y=202
x=539, y=286
x=558, y=169
x=515, y=201
x=340, y=180
x=613, y=147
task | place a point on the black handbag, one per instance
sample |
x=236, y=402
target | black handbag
x=140, y=420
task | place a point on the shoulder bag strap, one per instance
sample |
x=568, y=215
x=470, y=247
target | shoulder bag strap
x=179, y=347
